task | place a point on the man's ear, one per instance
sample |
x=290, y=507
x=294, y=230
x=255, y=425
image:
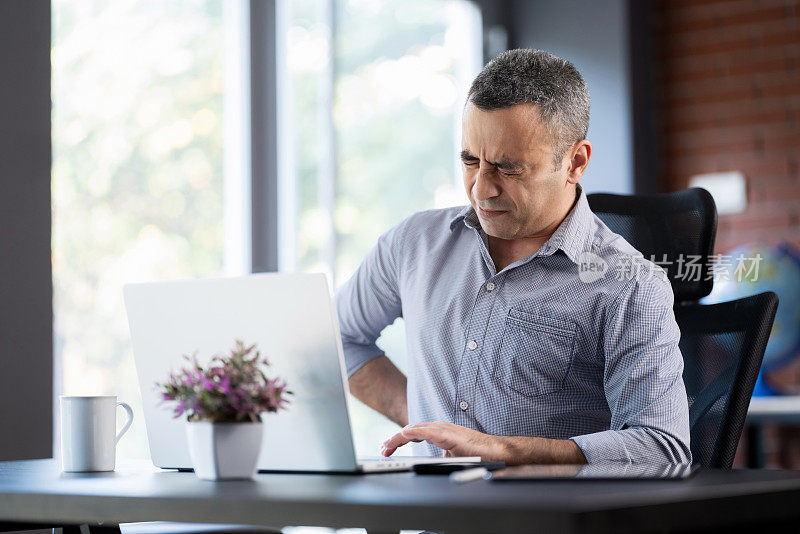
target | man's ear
x=579, y=160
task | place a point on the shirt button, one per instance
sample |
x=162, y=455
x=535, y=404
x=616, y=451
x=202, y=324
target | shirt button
x=490, y=286
x=463, y=405
x=472, y=345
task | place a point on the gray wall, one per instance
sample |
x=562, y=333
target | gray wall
x=594, y=36
x=26, y=293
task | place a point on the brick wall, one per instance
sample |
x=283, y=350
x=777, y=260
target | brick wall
x=728, y=78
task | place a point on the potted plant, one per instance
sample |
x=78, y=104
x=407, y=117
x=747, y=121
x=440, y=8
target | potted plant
x=223, y=403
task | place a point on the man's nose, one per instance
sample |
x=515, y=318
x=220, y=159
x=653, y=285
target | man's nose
x=485, y=186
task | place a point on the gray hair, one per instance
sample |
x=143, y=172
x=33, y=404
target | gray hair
x=537, y=77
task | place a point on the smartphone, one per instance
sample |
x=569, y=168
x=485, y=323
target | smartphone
x=447, y=468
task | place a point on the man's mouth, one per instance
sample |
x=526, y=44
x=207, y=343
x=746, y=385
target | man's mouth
x=490, y=214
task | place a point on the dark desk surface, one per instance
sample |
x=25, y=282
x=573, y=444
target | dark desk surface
x=37, y=491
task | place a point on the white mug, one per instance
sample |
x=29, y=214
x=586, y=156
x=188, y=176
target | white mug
x=88, y=432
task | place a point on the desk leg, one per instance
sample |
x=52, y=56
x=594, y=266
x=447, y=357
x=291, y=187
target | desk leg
x=755, y=446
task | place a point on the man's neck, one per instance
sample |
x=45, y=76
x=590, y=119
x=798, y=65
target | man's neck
x=504, y=252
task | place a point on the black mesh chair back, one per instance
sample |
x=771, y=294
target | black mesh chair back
x=722, y=346
x=663, y=227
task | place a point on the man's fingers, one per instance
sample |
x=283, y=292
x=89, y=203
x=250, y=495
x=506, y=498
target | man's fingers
x=433, y=434
x=418, y=432
x=395, y=442
x=387, y=450
x=438, y=434
x=398, y=440
x=406, y=434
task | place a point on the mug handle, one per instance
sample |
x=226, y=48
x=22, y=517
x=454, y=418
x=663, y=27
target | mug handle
x=127, y=424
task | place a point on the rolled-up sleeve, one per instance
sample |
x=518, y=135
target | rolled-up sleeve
x=643, y=380
x=370, y=300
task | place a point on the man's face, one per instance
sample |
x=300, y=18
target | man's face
x=507, y=157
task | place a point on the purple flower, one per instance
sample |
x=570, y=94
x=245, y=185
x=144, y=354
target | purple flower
x=231, y=388
x=225, y=385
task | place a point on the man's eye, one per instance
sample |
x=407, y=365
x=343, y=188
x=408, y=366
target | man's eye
x=470, y=163
x=510, y=173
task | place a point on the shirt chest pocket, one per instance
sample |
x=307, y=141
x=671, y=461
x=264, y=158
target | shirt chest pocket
x=535, y=353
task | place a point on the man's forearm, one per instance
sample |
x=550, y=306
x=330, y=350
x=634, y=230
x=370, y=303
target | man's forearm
x=382, y=386
x=457, y=440
x=515, y=450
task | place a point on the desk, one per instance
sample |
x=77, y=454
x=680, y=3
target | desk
x=35, y=491
x=766, y=410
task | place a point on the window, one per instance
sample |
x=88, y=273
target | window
x=137, y=174
x=144, y=188
x=375, y=95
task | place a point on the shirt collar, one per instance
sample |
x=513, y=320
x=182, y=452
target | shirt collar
x=573, y=235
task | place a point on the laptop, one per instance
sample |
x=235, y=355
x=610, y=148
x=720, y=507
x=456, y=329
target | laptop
x=292, y=320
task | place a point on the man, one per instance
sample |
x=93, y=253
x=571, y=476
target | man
x=534, y=333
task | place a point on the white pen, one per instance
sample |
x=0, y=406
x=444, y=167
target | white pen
x=468, y=475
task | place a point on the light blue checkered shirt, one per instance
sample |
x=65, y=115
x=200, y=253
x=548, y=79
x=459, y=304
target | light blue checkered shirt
x=533, y=350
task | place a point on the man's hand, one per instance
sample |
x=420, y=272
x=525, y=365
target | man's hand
x=453, y=439
x=456, y=440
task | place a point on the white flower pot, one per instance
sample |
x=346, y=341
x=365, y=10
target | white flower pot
x=224, y=451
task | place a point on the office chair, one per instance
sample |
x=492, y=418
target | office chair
x=722, y=344
x=665, y=227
